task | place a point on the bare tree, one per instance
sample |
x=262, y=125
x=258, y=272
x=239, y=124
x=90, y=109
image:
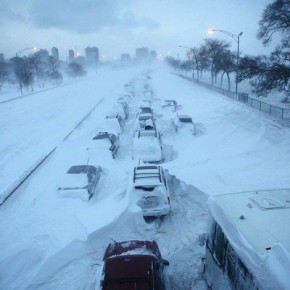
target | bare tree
x=76, y=70
x=214, y=49
x=225, y=64
x=273, y=72
x=275, y=19
x=52, y=70
x=23, y=73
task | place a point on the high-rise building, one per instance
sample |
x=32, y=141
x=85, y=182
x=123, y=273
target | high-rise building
x=92, y=55
x=125, y=57
x=2, y=57
x=42, y=55
x=54, y=53
x=142, y=54
x=71, y=56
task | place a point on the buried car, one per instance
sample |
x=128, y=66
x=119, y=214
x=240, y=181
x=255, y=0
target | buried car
x=183, y=123
x=115, y=123
x=105, y=141
x=151, y=184
x=80, y=182
x=132, y=265
x=147, y=146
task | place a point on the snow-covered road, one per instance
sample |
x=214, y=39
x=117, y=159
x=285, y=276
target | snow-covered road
x=49, y=242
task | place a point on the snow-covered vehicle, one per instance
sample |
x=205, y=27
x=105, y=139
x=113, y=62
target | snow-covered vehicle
x=147, y=146
x=145, y=113
x=105, y=141
x=183, y=123
x=114, y=123
x=80, y=181
x=132, y=265
x=172, y=104
x=145, y=105
x=120, y=109
x=151, y=185
x=143, y=117
x=247, y=245
x=125, y=107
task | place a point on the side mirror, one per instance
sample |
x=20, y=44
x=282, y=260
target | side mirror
x=202, y=239
x=165, y=262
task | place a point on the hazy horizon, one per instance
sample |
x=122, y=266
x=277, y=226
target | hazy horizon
x=118, y=27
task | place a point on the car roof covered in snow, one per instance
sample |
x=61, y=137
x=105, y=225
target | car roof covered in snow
x=145, y=104
x=147, y=133
x=256, y=224
x=144, y=116
x=132, y=247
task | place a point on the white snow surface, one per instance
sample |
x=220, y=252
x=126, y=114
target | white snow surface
x=49, y=242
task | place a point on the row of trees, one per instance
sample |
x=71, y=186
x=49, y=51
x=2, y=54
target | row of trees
x=213, y=55
x=36, y=70
x=265, y=73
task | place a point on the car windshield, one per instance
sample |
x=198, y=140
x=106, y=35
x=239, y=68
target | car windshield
x=146, y=110
x=145, y=188
x=146, y=117
x=185, y=119
x=128, y=284
x=78, y=169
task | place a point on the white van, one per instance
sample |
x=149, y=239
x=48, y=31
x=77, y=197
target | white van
x=248, y=241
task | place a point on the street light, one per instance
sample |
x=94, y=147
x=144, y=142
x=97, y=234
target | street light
x=19, y=52
x=237, y=39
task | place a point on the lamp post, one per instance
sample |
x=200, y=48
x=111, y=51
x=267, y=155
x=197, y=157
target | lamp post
x=237, y=39
x=19, y=52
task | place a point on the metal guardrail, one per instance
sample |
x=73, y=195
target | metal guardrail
x=264, y=107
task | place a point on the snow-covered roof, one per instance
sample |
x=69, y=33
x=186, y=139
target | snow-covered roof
x=145, y=104
x=145, y=116
x=97, y=144
x=74, y=181
x=257, y=225
x=261, y=216
x=148, y=148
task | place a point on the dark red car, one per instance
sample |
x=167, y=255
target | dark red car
x=133, y=265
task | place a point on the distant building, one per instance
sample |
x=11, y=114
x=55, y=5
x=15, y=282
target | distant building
x=80, y=59
x=125, y=57
x=153, y=55
x=142, y=54
x=2, y=57
x=42, y=55
x=71, y=56
x=54, y=53
x=92, y=55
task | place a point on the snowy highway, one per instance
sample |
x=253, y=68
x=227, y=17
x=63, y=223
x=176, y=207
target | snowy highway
x=49, y=242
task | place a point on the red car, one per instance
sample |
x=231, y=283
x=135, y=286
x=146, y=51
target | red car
x=133, y=265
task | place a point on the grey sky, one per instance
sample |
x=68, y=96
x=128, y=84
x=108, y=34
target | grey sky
x=119, y=26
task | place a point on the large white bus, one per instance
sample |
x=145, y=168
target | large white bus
x=248, y=241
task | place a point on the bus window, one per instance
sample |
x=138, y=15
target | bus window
x=219, y=243
x=211, y=236
x=238, y=274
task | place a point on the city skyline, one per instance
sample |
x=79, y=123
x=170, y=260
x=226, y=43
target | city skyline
x=120, y=26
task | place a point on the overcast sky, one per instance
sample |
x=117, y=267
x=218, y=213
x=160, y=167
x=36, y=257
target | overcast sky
x=120, y=26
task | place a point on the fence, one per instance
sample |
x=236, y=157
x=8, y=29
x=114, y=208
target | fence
x=276, y=111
